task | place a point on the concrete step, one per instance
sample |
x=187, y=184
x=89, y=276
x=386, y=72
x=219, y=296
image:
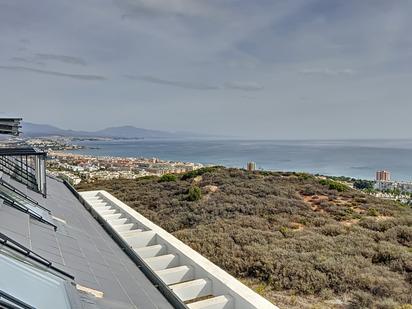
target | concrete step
x=117, y=221
x=130, y=234
x=107, y=211
x=92, y=199
x=124, y=227
x=139, y=240
x=102, y=207
x=99, y=203
x=151, y=251
x=192, y=289
x=162, y=261
x=218, y=302
x=176, y=274
x=112, y=216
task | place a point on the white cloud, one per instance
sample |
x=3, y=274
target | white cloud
x=52, y=73
x=135, y=8
x=246, y=86
x=328, y=71
x=174, y=83
x=61, y=58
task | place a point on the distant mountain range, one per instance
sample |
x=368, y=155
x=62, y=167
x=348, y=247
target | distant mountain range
x=35, y=130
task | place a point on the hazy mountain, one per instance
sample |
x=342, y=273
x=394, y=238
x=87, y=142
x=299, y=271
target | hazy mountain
x=132, y=132
x=33, y=130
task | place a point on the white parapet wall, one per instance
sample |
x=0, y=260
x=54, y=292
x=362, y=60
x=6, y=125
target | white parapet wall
x=193, y=278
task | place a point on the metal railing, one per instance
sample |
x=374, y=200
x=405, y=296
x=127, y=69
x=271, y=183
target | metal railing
x=18, y=173
x=19, y=166
x=26, y=166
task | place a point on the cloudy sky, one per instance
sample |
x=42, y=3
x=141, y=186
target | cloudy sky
x=257, y=69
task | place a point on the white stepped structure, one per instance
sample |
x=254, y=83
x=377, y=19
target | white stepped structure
x=195, y=280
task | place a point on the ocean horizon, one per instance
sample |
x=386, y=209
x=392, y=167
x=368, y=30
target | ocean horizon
x=351, y=158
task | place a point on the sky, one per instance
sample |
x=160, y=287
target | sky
x=298, y=69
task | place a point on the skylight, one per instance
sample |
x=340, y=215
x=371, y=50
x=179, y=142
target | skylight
x=15, y=198
x=41, y=289
x=21, y=197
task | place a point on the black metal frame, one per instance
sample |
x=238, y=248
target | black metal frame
x=20, y=151
x=13, y=302
x=167, y=292
x=12, y=244
x=22, y=194
x=12, y=203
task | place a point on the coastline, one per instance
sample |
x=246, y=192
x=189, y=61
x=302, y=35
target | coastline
x=332, y=158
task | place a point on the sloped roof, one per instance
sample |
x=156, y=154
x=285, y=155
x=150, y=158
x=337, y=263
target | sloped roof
x=82, y=248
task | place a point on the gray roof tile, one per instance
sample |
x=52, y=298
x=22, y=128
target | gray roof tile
x=82, y=248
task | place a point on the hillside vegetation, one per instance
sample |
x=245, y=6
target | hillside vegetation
x=300, y=241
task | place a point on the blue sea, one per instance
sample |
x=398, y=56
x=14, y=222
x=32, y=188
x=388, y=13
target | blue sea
x=353, y=158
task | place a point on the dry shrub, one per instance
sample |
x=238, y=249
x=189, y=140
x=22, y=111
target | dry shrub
x=247, y=228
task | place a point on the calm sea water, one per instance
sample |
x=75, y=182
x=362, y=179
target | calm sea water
x=360, y=158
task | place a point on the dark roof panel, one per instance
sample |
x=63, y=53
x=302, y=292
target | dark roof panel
x=82, y=248
x=21, y=151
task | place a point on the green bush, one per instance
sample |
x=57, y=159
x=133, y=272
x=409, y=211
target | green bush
x=334, y=185
x=285, y=231
x=373, y=212
x=199, y=172
x=304, y=176
x=363, y=184
x=167, y=178
x=194, y=194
